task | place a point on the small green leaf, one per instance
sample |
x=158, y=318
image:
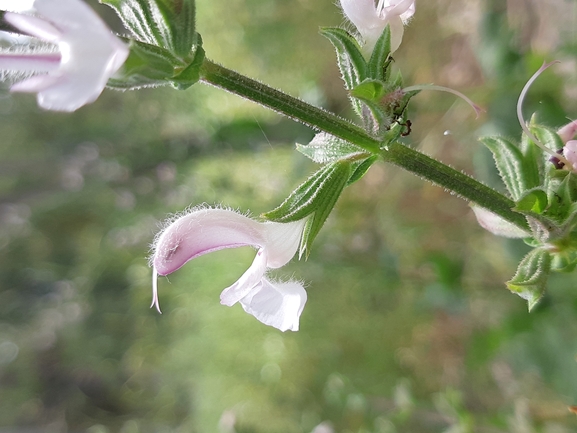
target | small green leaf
x=325, y=148
x=352, y=64
x=168, y=24
x=361, y=169
x=308, y=196
x=324, y=206
x=531, y=278
x=147, y=65
x=369, y=90
x=511, y=165
x=191, y=74
x=533, y=201
x=378, y=67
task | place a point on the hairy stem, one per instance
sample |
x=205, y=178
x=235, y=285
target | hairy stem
x=396, y=153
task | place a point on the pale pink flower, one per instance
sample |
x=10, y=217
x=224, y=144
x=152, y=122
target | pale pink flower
x=497, y=225
x=75, y=74
x=371, y=18
x=567, y=133
x=205, y=230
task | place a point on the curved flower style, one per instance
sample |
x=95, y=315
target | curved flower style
x=205, y=230
x=370, y=19
x=88, y=54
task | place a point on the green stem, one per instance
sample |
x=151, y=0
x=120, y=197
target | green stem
x=396, y=153
x=296, y=109
x=453, y=180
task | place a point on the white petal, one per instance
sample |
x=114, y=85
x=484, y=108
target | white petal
x=497, y=225
x=247, y=282
x=71, y=15
x=282, y=241
x=276, y=304
x=34, y=26
x=363, y=14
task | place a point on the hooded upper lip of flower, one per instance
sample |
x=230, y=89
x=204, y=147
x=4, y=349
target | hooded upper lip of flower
x=88, y=54
x=370, y=19
x=204, y=230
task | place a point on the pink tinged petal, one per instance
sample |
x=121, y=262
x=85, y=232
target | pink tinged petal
x=282, y=241
x=497, y=225
x=568, y=131
x=276, y=304
x=35, y=84
x=247, y=282
x=30, y=62
x=203, y=231
x=404, y=9
x=570, y=153
x=34, y=26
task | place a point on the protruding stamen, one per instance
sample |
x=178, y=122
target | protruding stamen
x=522, y=122
x=474, y=106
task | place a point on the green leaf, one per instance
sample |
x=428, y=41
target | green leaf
x=516, y=172
x=191, y=74
x=378, y=67
x=534, y=201
x=324, y=206
x=531, y=278
x=305, y=199
x=325, y=148
x=168, y=24
x=352, y=64
x=369, y=90
x=361, y=168
x=147, y=65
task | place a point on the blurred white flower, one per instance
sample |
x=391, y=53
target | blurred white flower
x=567, y=134
x=497, y=225
x=370, y=19
x=75, y=74
x=204, y=230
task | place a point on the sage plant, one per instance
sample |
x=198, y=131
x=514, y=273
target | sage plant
x=162, y=47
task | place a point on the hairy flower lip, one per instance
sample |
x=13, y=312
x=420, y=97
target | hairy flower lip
x=204, y=230
x=88, y=54
x=568, y=131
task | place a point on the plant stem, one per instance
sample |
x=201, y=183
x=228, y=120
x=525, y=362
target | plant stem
x=395, y=153
x=295, y=108
x=453, y=180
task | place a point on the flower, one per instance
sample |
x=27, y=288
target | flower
x=88, y=54
x=370, y=19
x=567, y=133
x=204, y=230
x=497, y=225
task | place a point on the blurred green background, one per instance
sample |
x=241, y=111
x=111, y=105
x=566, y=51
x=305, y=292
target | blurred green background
x=408, y=327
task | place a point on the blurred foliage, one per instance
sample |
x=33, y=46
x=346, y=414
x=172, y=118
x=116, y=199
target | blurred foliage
x=408, y=327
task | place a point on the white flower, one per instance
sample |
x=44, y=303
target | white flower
x=88, y=54
x=370, y=19
x=497, y=225
x=205, y=230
